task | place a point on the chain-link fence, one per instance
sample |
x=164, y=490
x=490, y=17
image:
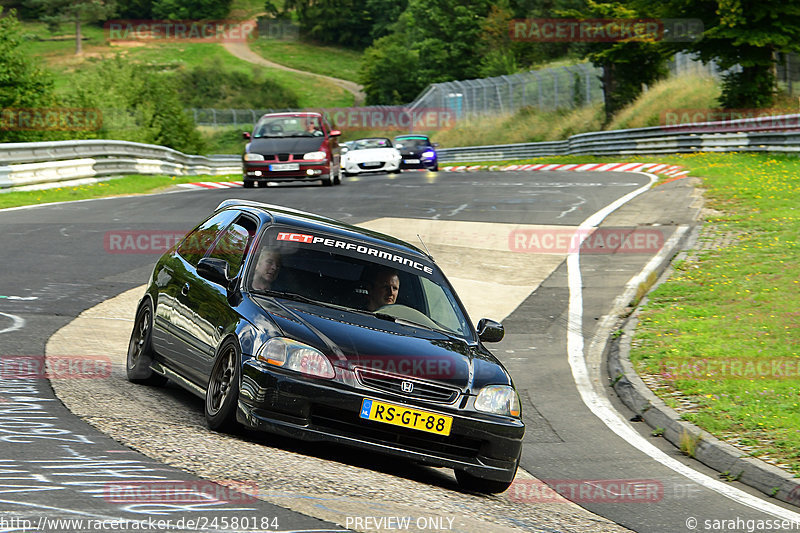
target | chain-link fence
x=787, y=69
x=546, y=89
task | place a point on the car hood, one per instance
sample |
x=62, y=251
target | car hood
x=371, y=154
x=289, y=145
x=414, y=151
x=359, y=340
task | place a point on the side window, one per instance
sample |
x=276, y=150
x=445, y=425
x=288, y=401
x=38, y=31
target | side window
x=232, y=244
x=196, y=244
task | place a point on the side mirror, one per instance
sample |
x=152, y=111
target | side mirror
x=335, y=133
x=490, y=331
x=436, y=145
x=246, y=135
x=214, y=270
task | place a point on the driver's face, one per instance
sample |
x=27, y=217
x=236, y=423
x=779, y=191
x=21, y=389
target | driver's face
x=384, y=289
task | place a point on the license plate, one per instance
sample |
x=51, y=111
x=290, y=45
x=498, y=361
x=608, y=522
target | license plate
x=285, y=166
x=412, y=161
x=373, y=164
x=406, y=417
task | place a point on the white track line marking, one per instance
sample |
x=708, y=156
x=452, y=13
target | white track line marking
x=599, y=403
x=16, y=323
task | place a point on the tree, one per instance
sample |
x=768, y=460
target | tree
x=190, y=9
x=744, y=36
x=23, y=84
x=57, y=12
x=628, y=64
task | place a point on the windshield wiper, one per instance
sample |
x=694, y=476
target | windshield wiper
x=287, y=295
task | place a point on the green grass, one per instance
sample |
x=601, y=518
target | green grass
x=135, y=184
x=60, y=58
x=328, y=60
x=738, y=303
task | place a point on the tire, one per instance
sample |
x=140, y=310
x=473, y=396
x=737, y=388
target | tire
x=140, y=349
x=435, y=168
x=337, y=180
x=249, y=184
x=327, y=182
x=222, y=393
x=471, y=483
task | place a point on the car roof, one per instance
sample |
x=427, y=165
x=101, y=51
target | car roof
x=292, y=114
x=311, y=221
x=423, y=137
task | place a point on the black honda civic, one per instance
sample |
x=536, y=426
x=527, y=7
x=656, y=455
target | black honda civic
x=303, y=326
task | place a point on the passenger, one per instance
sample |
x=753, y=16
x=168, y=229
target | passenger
x=313, y=128
x=268, y=267
x=383, y=285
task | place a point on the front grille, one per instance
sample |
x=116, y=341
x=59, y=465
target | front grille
x=349, y=423
x=422, y=390
x=283, y=157
x=298, y=157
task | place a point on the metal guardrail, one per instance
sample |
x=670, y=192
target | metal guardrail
x=780, y=134
x=43, y=162
x=30, y=163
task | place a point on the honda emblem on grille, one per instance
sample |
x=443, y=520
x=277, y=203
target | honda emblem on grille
x=407, y=386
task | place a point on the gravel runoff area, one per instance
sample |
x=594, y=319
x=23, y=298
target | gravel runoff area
x=326, y=481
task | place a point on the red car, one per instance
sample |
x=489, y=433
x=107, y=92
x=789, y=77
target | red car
x=292, y=147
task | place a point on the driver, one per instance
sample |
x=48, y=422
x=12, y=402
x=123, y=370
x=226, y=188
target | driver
x=383, y=284
x=268, y=266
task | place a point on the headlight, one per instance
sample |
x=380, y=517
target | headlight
x=293, y=355
x=430, y=154
x=498, y=399
x=253, y=157
x=314, y=155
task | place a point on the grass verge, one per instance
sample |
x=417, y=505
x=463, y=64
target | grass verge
x=327, y=60
x=133, y=184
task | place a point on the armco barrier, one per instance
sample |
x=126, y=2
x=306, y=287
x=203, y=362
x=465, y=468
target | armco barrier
x=29, y=163
x=44, y=162
x=780, y=134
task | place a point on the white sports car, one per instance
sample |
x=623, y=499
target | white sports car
x=375, y=154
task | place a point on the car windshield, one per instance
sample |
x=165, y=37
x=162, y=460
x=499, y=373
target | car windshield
x=366, y=144
x=356, y=275
x=413, y=144
x=287, y=126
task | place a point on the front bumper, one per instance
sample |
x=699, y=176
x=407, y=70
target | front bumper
x=259, y=171
x=310, y=409
x=361, y=168
x=413, y=161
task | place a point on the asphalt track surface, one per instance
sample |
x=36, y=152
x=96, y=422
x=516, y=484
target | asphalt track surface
x=57, y=264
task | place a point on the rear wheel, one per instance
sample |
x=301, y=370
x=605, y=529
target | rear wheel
x=222, y=393
x=140, y=351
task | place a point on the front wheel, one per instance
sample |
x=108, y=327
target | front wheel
x=222, y=394
x=140, y=350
